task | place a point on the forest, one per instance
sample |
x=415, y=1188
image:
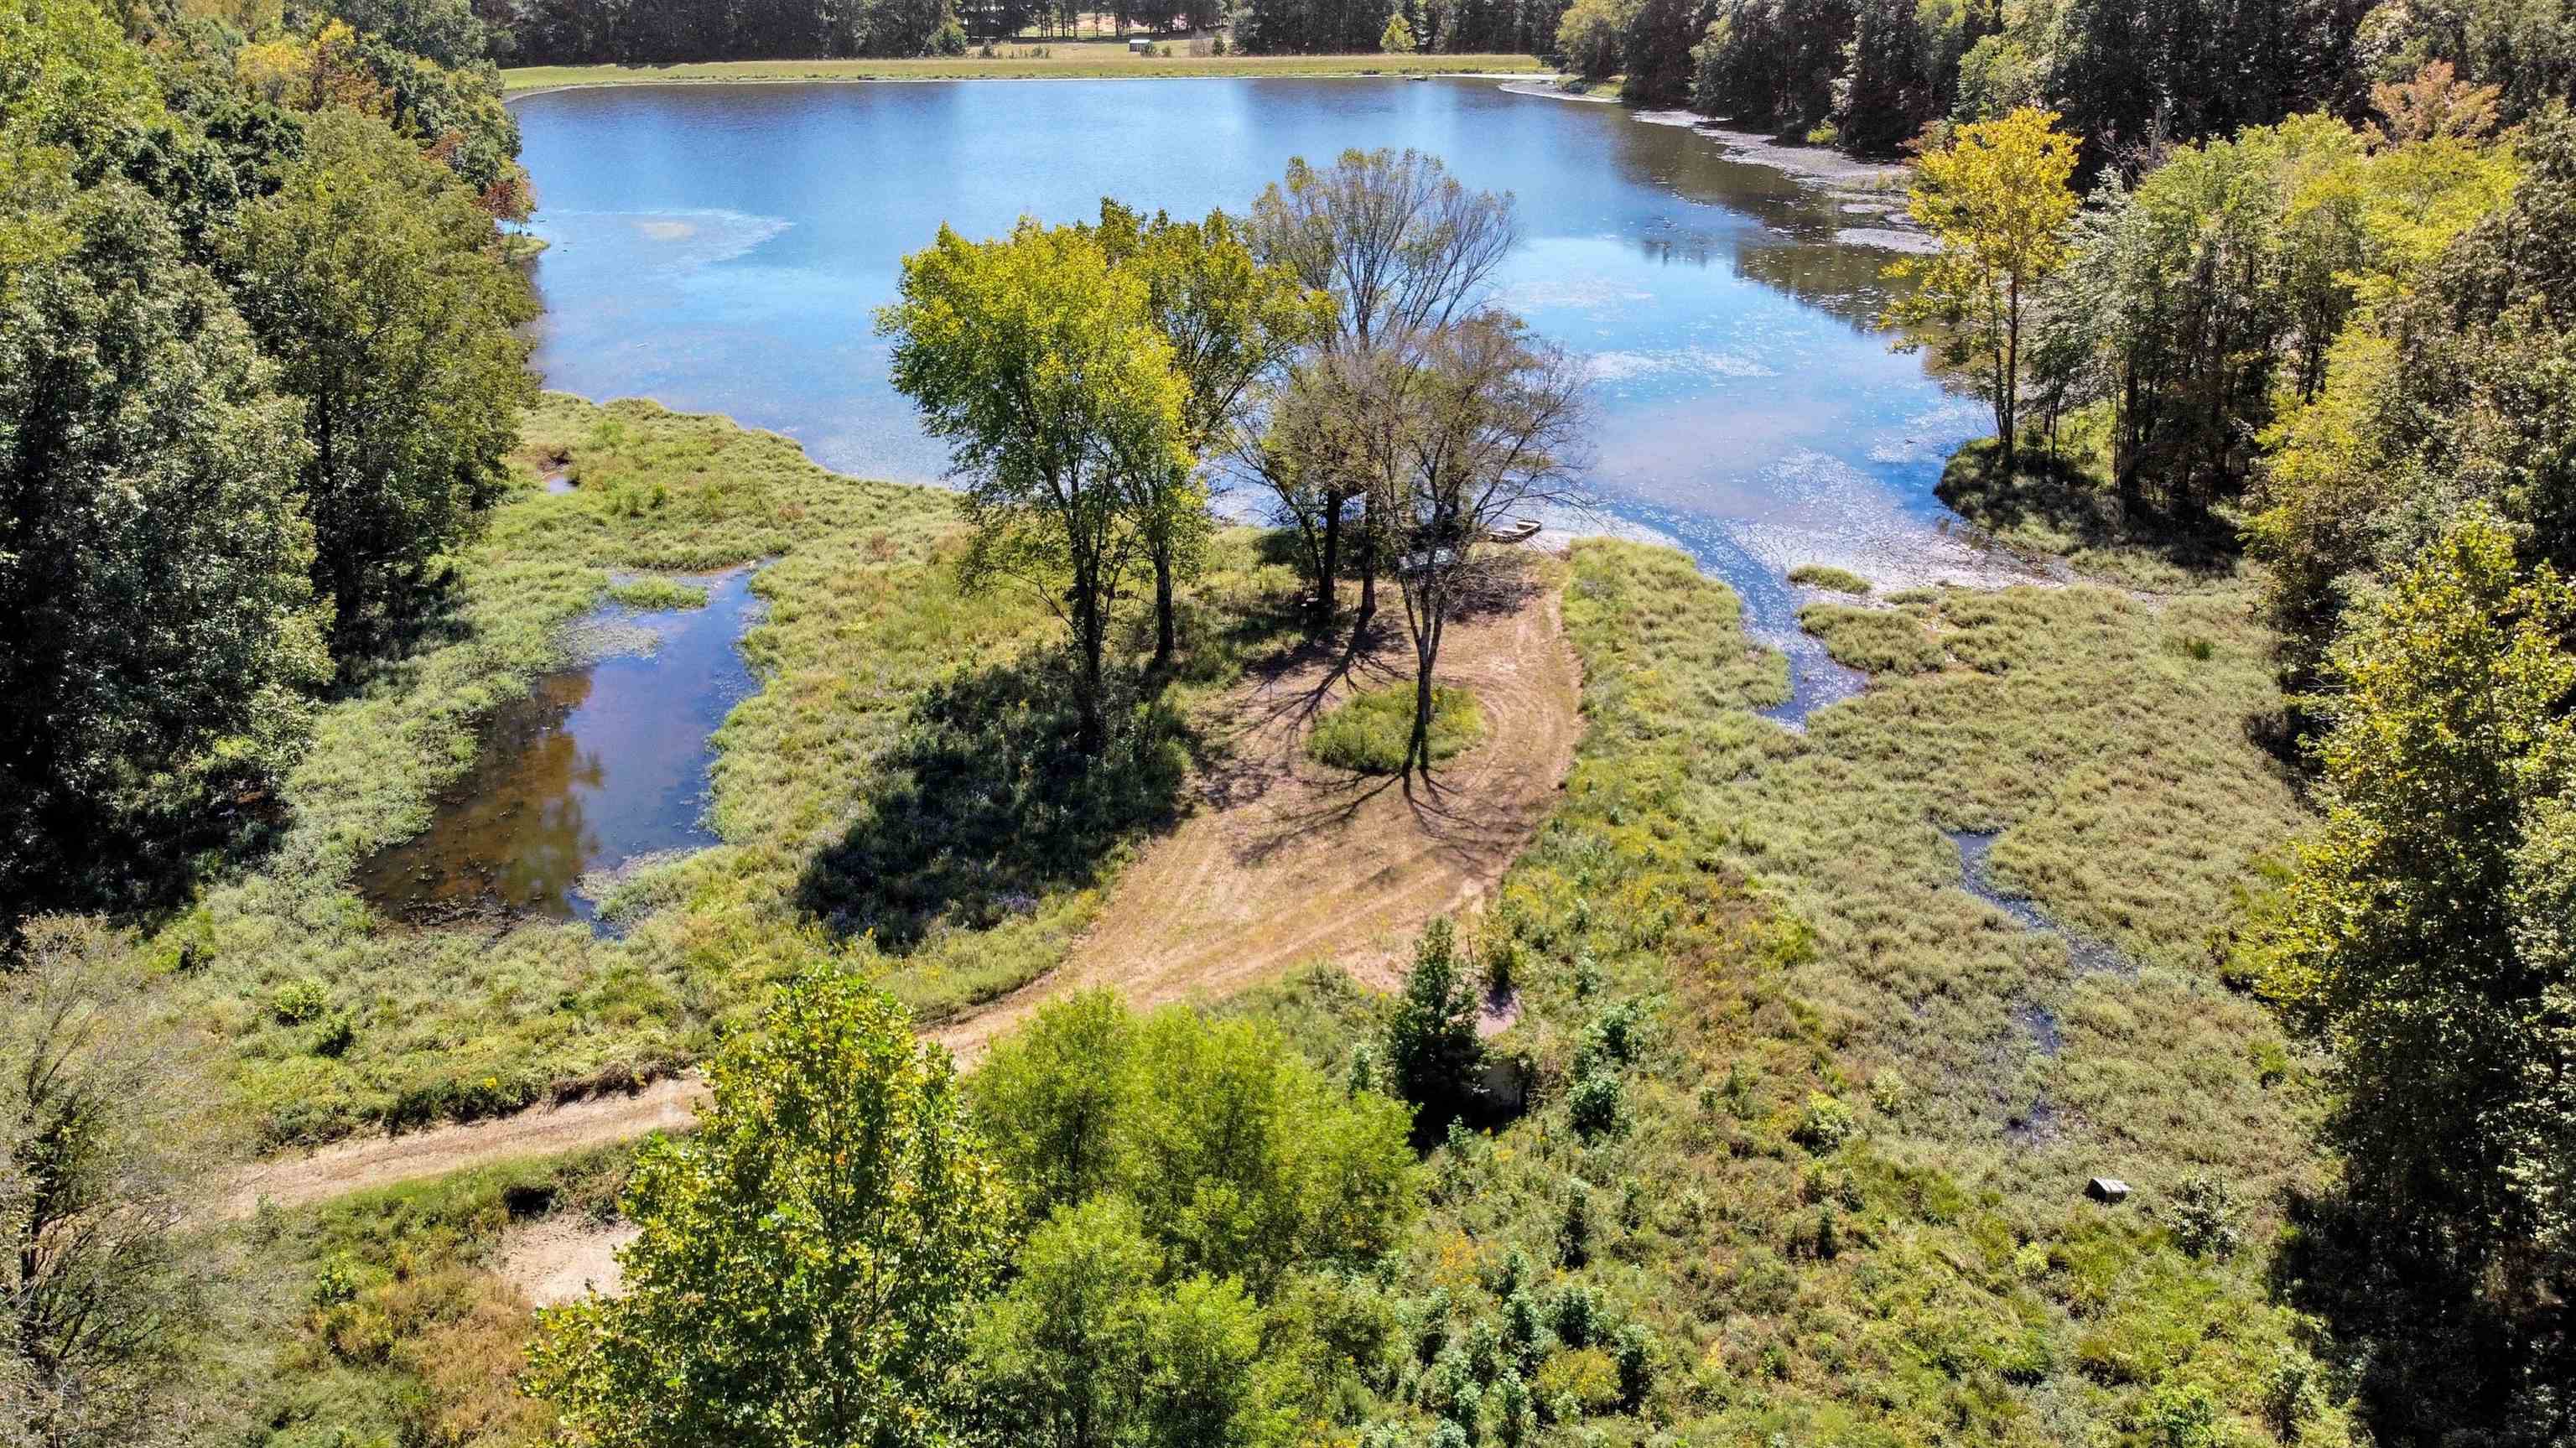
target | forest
x=2272, y=308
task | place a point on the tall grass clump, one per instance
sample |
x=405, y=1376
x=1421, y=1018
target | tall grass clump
x=1369, y=733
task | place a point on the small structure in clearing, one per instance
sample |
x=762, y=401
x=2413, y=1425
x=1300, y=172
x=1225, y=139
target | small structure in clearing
x=2110, y=1191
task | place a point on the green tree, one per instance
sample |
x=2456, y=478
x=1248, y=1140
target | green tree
x=2423, y=938
x=71, y=79
x=1588, y=37
x=1397, y=38
x=1039, y=362
x=374, y=278
x=153, y=564
x=1055, y=1097
x=2447, y=382
x=1238, y=1156
x=104, y=1133
x=1996, y=198
x=1464, y=427
x=1063, y=1352
x=810, y=1256
x=1431, y=1044
x=1402, y=248
x=1088, y=1348
x=1232, y=324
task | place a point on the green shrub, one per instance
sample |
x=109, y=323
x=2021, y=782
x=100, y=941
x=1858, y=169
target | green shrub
x=299, y=1001
x=1368, y=734
x=1597, y=1106
x=2204, y=1217
x=1828, y=1122
x=1825, y=575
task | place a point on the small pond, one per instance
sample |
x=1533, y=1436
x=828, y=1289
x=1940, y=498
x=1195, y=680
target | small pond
x=599, y=766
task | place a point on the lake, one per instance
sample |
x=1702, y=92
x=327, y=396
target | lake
x=724, y=248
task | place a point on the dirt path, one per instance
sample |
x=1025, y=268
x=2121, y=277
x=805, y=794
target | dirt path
x=1283, y=862
x=375, y=1161
x=1286, y=861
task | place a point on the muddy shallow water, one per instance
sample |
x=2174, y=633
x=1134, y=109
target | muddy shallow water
x=724, y=248
x=597, y=767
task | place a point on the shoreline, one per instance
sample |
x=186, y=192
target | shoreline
x=855, y=72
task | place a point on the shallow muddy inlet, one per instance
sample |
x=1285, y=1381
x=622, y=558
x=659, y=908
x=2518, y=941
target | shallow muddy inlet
x=598, y=766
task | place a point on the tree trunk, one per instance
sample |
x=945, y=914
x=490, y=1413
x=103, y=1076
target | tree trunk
x=1164, y=630
x=1418, y=752
x=1090, y=631
x=1368, y=563
x=1329, y=576
x=2008, y=385
x=1426, y=654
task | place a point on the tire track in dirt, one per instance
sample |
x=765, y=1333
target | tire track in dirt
x=1283, y=861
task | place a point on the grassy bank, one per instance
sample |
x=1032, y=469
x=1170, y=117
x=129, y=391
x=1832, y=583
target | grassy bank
x=1066, y=60
x=1833, y=1192
x=853, y=784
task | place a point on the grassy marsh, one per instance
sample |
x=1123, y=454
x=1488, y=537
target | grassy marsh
x=1820, y=1202
x=337, y=1017
x=1825, y=1196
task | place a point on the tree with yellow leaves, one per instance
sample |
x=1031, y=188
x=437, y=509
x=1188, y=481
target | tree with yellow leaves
x=1996, y=197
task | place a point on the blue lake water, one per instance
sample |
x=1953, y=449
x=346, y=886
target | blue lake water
x=724, y=249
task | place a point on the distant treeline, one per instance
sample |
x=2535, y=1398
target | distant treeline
x=542, y=32
x=1453, y=26
x=1871, y=74
x=545, y=32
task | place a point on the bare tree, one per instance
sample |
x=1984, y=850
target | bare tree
x=103, y=1121
x=1463, y=427
x=1403, y=249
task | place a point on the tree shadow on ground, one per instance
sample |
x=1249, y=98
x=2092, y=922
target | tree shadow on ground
x=988, y=804
x=1373, y=653
x=2049, y=504
x=2439, y=1344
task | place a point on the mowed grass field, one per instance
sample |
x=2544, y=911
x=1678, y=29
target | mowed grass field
x=1061, y=60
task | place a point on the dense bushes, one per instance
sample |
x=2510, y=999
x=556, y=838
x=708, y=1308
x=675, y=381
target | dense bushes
x=165, y=477
x=155, y=560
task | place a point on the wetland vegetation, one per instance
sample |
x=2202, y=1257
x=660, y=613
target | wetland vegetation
x=2134, y=1013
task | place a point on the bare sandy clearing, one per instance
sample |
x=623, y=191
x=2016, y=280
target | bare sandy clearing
x=564, y=1259
x=1287, y=861
x=374, y=1161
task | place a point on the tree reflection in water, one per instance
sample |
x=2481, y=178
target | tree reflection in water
x=596, y=766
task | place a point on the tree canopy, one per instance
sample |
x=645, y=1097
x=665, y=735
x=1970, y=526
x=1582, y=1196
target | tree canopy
x=1038, y=361
x=371, y=276
x=809, y=1256
x=1997, y=199
x=153, y=555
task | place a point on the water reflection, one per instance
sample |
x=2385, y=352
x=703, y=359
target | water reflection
x=597, y=766
x=724, y=248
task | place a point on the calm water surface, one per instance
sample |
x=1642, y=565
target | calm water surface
x=598, y=766
x=723, y=249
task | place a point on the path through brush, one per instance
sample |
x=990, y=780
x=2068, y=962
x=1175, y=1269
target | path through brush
x=1282, y=862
